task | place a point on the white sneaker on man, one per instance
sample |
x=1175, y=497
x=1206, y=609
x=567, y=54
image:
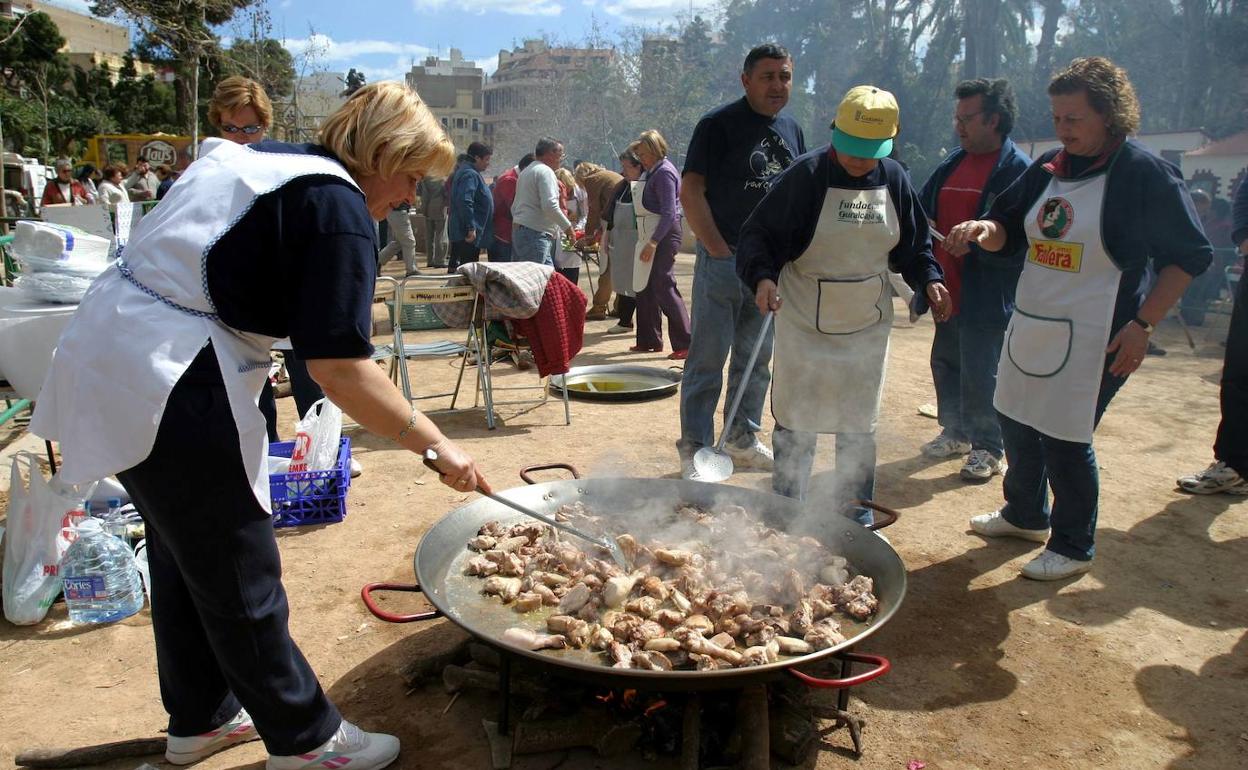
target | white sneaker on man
x=1051, y=565
x=944, y=446
x=756, y=457
x=981, y=465
x=186, y=750
x=348, y=749
x=994, y=525
x=356, y=468
x=1218, y=477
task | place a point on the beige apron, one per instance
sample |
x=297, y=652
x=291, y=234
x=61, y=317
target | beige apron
x=142, y=323
x=1050, y=371
x=647, y=220
x=623, y=237
x=832, y=331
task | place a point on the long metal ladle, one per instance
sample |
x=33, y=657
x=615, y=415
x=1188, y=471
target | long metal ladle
x=713, y=463
x=430, y=460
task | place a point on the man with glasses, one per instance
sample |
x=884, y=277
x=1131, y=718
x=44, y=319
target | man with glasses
x=537, y=218
x=981, y=286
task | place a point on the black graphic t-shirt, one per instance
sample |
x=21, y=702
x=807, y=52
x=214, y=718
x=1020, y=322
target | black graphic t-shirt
x=740, y=152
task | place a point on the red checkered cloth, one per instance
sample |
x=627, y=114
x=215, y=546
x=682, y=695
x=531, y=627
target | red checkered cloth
x=557, y=331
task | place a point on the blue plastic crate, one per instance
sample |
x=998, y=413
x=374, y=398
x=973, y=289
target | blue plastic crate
x=310, y=497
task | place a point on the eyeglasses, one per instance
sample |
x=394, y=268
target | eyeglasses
x=962, y=120
x=230, y=128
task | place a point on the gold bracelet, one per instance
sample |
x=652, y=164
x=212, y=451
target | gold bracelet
x=411, y=423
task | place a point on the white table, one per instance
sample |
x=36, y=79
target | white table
x=29, y=332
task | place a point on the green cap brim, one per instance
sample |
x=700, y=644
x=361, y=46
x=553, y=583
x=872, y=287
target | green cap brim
x=860, y=148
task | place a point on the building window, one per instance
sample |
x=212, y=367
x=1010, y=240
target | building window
x=444, y=123
x=476, y=125
x=459, y=122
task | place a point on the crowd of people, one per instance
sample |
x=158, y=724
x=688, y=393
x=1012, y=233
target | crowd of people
x=1045, y=278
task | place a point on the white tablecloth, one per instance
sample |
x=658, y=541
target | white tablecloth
x=28, y=334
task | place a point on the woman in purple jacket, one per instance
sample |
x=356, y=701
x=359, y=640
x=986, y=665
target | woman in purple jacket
x=660, y=297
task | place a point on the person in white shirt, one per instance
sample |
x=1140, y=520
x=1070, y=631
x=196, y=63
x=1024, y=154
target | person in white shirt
x=109, y=192
x=537, y=218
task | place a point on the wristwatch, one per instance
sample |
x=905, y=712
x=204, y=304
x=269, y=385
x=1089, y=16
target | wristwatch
x=1145, y=325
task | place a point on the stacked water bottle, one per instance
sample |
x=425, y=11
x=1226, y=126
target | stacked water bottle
x=99, y=569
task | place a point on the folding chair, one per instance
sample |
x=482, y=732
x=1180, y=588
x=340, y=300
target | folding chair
x=431, y=290
x=517, y=346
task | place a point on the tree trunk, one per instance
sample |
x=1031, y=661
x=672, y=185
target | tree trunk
x=1196, y=74
x=1053, y=12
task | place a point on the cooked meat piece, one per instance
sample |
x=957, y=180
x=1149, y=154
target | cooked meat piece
x=590, y=610
x=700, y=623
x=720, y=604
x=696, y=643
x=494, y=555
x=704, y=662
x=600, y=638
x=683, y=605
x=856, y=597
x=532, y=640
x=509, y=544
x=862, y=607
x=754, y=656
x=790, y=646
x=491, y=528
x=794, y=587
x=654, y=587
x=644, y=606
x=668, y=618
x=576, y=598
x=578, y=634
x=505, y=588
x=748, y=623
x=548, y=596
x=552, y=579
x=512, y=565
x=621, y=654
x=480, y=566
x=593, y=581
x=627, y=544
x=569, y=555
x=532, y=530
x=560, y=624
x=672, y=556
x=645, y=631
x=624, y=624
x=662, y=644
x=728, y=625
x=651, y=661
x=482, y=542
x=724, y=640
x=824, y=634
x=527, y=602
x=760, y=637
x=617, y=589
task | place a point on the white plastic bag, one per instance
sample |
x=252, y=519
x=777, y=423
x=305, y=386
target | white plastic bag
x=34, y=543
x=317, y=436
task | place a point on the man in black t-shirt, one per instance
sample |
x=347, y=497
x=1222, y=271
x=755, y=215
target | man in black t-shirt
x=736, y=151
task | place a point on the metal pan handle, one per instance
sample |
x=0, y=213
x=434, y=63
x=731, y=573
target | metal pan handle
x=524, y=472
x=890, y=516
x=882, y=667
x=366, y=593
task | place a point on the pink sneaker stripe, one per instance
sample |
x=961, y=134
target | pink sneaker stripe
x=241, y=729
x=336, y=762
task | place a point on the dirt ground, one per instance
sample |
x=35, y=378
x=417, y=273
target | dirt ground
x=1142, y=663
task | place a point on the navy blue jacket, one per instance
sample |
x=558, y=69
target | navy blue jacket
x=1147, y=214
x=1239, y=215
x=988, y=280
x=782, y=226
x=470, y=205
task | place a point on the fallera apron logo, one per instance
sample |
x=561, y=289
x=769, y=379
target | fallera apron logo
x=1055, y=218
x=1056, y=255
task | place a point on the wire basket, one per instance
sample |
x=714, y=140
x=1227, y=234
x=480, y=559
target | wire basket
x=417, y=317
x=310, y=497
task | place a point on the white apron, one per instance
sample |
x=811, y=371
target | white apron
x=647, y=220
x=1049, y=375
x=143, y=321
x=623, y=237
x=832, y=331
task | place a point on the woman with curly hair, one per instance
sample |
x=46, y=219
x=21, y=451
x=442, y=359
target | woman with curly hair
x=1092, y=215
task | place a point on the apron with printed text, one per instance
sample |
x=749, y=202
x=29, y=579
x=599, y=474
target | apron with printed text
x=144, y=321
x=832, y=330
x=1049, y=375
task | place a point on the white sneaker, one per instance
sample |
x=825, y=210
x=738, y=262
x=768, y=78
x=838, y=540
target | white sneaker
x=757, y=456
x=186, y=750
x=1051, y=565
x=1218, y=477
x=356, y=468
x=994, y=525
x=349, y=749
x=620, y=329
x=687, y=470
x=943, y=446
x=981, y=465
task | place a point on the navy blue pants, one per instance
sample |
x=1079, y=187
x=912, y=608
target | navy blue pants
x=219, y=610
x=1231, y=446
x=964, y=371
x=1038, y=462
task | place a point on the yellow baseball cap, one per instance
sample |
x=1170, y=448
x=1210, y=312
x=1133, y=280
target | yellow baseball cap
x=866, y=123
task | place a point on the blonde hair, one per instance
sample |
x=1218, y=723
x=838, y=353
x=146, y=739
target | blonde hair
x=236, y=92
x=654, y=143
x=1109, y=92
x=386, y=129
x=565, y=176
x=585, y=169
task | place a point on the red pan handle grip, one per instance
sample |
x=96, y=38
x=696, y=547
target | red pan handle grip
x=524, y=472
x=366, y=593
x=890, y=516
x=882, y=667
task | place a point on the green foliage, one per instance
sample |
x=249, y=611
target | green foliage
x=265, y=61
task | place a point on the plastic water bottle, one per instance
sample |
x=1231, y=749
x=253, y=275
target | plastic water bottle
x=100, y=578
x=113, y=522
